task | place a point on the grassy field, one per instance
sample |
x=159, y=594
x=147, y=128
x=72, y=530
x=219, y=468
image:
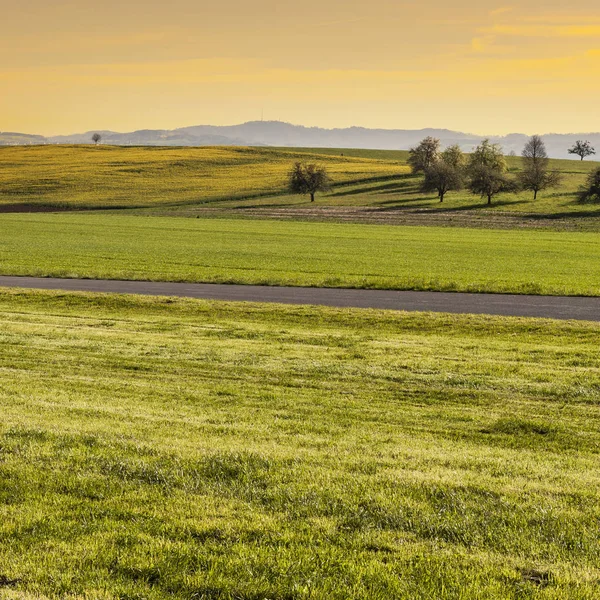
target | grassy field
x=114, y=177
x=296, y=253
x=402, y=194
x=190, y=181
x=160, y=448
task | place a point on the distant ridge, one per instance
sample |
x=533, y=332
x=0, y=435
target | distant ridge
x=277, y=133
x=9, y=138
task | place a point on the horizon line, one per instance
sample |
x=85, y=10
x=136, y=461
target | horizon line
x=253, y=121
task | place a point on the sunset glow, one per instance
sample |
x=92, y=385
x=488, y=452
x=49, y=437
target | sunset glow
x=476, y=66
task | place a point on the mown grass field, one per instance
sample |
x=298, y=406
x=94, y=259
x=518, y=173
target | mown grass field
x=190, y=181
x=296, y=253
x=161, y=448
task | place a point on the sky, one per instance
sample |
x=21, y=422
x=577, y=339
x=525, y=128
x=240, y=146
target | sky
x=479, y=66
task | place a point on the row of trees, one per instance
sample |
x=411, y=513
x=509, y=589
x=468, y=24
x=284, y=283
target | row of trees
x=484, y=172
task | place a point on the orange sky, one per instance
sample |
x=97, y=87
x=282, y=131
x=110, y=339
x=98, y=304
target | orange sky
x=474, y=65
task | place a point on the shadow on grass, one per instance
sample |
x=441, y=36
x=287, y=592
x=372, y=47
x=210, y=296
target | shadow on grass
x=580, y=214
x=301, y=202
x=387, y=188
x=434, y=205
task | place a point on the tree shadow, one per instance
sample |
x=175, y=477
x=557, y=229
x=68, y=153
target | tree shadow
x=440, y=207
x=389, y=188
x=300, y=202
x=581, y=214
x=397, y=185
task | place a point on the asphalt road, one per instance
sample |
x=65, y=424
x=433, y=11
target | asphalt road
x=552, y=307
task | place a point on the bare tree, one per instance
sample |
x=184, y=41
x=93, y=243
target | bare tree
x=96, y=138
x=590, y=192
x=536, y=175
x=582, y=149
x=308, y=179
x=488, y=171
x=424, y=155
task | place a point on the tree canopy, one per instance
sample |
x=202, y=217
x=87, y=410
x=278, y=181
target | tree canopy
x=308, y=179
x=536, y=175
x=442, y=178
x=582, y=149
x=590, y=192
x=445, y=173
x=424, y=155
x=488, y=171
x=454, y=157
x=488, y=155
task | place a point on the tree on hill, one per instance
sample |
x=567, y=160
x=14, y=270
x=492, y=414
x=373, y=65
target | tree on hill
x=446, y=174
x=582, y=149
x=536, y=175
x=488, y=182
x=424, y=155
x=96, y=138
x=308, y=179
x=488, y=171
x=590, y=192
x=442, y=178
x=488, y=155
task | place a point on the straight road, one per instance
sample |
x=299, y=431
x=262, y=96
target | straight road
x=551, y=307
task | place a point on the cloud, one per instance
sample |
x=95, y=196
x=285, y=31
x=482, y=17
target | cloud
x=466, y=76
x=544, y=31
x=501, y=11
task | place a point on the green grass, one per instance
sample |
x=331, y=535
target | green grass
x=296, y=253
x=402, y=193
x=78, y=177
x=161, y=448
x=188, y=181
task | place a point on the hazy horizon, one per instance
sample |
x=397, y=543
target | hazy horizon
x=481, y=134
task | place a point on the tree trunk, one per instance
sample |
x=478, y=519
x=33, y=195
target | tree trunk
x=312, y=196
x=489, y=198
x=535, y=194
x=582, y=158
x=442, y=197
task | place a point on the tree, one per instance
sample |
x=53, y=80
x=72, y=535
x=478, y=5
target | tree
x=446, y=174
x=424, y=155
x=308, y=179
x=454, y=157
x=591, y=191
x=487, y=182
x=488, y=155
x=535, y=175
x=582, y=149
x=488, y=171
x=442, y=178
x=96, y=138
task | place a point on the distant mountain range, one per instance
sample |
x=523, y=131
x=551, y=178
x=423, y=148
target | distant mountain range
x=276, y=133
